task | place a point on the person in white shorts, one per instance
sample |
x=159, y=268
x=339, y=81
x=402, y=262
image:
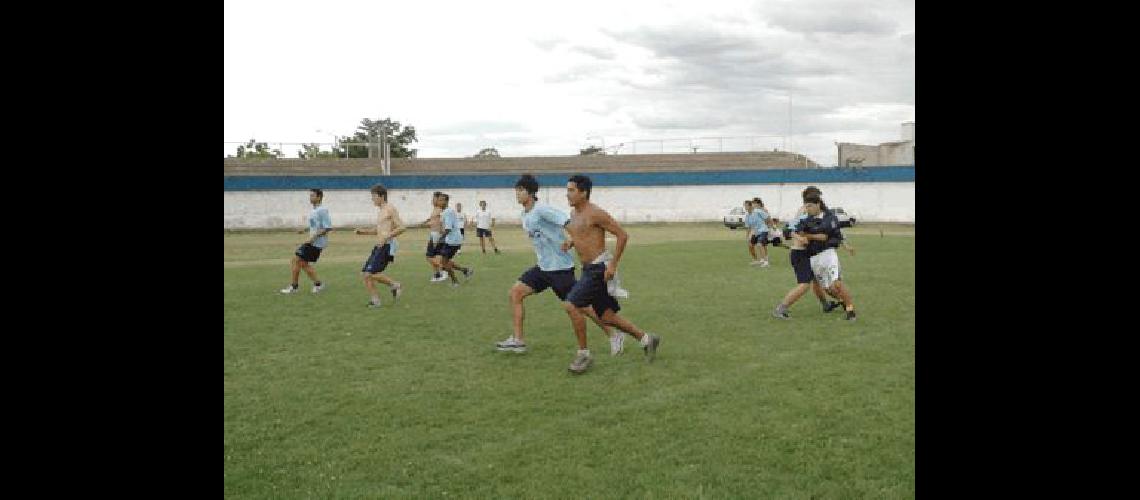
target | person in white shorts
x=821, y=228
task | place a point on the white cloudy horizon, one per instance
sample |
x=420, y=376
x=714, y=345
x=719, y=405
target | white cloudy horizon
x=534, y=79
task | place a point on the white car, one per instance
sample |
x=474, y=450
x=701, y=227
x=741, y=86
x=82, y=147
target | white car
x=734, y=218
x=844, y=219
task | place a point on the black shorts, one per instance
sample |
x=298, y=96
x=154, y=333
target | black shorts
x=562, y=281
x=308, y=253
x=378, y=261
x=480, y=232
x=762, y=238
x=433, y=248
x=754, y=239
x=776, y=240
x=801, y=265
x=448, y=251
x=591, y=290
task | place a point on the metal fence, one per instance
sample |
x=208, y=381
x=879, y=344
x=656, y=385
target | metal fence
x=726, y=144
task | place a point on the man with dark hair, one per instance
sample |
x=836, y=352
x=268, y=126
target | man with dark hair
x=760, y=229
x=320, y=223
x=587, y=227
x=435, y=242
x=544, y=225
x=483, y=225
x=452, y=241
x=388, y=227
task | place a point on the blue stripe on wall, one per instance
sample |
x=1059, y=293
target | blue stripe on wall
x=298, y=182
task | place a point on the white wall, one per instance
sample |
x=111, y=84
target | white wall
x=870, y=202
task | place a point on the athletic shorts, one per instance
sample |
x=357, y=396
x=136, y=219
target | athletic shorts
x=308, y=253
x=480, y=232
x=561, y=281
x=801, y=265
x=825, y=267
x=448, y=251
x=591, y=290
x=379, y=259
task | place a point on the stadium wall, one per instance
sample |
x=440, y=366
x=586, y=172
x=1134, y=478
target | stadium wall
x=871, y=195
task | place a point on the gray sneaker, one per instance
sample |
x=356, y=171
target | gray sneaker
x=581, y=363
x=651, y=347
x=468, y=274
x=782, y=314
x=511, y=345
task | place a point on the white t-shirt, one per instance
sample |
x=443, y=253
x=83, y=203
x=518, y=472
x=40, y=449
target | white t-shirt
x=483, y=219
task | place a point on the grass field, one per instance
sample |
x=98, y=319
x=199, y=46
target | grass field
x=325, y=398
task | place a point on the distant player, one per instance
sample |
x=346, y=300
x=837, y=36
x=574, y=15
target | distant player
x=320, y=223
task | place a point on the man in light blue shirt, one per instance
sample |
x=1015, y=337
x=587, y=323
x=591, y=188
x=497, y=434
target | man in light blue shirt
x=452, y=240
x=760, y=230
x=320, y=223
x=750, y=234
x=544, y=226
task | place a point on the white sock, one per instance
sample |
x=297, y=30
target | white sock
x=644, y=339
x=583, y=351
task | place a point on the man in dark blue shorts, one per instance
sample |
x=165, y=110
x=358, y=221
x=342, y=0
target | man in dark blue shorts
x=544, y=225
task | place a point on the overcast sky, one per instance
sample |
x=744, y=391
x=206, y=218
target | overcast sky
x=536, y=78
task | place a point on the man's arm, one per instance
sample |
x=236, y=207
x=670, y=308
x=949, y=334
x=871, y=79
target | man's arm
x=397, y=225
x=320, y=233
x=606, y=222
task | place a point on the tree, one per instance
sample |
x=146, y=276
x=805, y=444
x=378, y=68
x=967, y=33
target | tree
x=592, y=150
x=254, y=149
x=311, y=151
x=487, y=153
x=369, y=131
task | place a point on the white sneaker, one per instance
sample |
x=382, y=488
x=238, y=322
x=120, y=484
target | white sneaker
x=757, y=263
x=318, y=288
x=511, y=345
x=288, y=289
x=397, y=291
x=763, y=263
x=617, y=343
x=440, y=279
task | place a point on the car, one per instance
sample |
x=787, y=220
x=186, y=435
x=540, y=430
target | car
x=844, y=219
x=734, y=218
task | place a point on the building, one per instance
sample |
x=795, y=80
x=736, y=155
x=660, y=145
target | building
x=886, y=154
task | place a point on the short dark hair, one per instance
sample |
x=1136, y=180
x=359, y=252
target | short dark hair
x=320, y=194
x=529, y=183
x=446, y=197
x=756, y=201
x=810, y=190
x=436, y=194
x=815, y=198
x=380, y=190
x=584, y=184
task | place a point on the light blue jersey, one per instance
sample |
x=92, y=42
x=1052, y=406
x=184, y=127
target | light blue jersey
x=759, y=226
x=451, y=221
x=319, y=220
x=543, y=224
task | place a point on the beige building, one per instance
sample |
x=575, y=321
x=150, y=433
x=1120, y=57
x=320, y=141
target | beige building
x=885, y=154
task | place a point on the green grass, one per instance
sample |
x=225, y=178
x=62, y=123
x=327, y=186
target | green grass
x=325, y=398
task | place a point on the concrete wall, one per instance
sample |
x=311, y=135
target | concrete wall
x=866, y=201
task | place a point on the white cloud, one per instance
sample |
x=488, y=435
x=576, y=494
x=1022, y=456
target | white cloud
x=533, y=78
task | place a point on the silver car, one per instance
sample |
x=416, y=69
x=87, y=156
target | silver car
x=734, y=218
